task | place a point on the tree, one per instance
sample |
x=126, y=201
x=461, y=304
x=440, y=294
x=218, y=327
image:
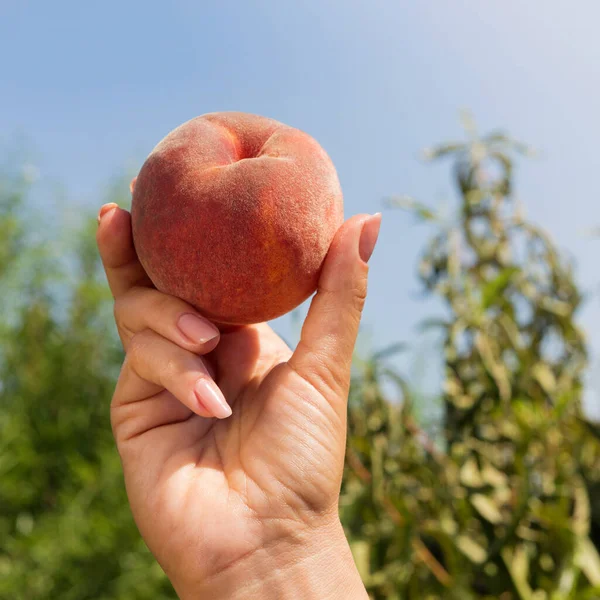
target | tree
x=504, y=510
x=65, y=526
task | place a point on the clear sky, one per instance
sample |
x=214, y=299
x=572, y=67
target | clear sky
x=94, y=85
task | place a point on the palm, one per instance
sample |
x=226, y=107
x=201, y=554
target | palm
x=221, y=484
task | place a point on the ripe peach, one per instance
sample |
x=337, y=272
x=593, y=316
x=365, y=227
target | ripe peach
x=234, y=213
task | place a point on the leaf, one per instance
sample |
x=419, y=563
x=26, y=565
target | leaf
x=588, y=560
x=557, y=307
x=496, y=369
x=593, y=427
x=469, y=474
x=567, y=582
x=487, y=508
x=496, y=287
x=420, y=210
x=493, y=476
x=442, y=150
x=361, y=551
x=432, y=323
x=471, y=549
x=496, y=136
x=581, y=510
x=544, y=376
x=517, y=563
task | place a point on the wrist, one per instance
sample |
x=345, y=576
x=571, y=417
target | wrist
x=313, y=564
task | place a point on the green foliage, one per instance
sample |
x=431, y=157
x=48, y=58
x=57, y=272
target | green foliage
x=65, y=527
x=501, y=504
x=505, y=509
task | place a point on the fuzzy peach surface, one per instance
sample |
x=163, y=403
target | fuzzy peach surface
x=234, y=213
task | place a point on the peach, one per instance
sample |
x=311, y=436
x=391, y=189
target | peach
x=234, y=213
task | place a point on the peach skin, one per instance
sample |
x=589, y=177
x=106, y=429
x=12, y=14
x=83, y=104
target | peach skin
x=234, y=213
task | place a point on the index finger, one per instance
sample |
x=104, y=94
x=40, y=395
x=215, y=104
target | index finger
x=115, y=243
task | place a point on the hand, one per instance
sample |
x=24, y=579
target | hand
x=241, y=501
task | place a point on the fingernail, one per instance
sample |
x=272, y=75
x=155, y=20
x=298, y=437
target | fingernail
x=106, y=208
x=132, y=184
x=211, y=398
x=368, y=237
x=196, y=329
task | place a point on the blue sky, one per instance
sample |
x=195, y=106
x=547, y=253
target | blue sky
x=94, y=86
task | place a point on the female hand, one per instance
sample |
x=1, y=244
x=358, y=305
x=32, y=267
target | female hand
x=233, y=446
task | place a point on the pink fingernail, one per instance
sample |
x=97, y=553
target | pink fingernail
x=106, y=208
x=368, y=236
x=211, y=398
x=196, y=329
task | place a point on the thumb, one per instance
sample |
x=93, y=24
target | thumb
x=324, y=355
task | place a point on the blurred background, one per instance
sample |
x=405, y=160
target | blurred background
x=473, y=464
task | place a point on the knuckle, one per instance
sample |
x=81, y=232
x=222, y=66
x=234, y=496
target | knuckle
x=124, y=309
x=137, y=347
x=170, y=368
x=119, y=309
x=161, y=303
x=318, y=371
x=359, y=294
x=176, y=368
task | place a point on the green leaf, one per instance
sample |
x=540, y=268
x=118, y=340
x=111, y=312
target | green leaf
x=545, y=377
x=487, y=508
x=419, y=209
x=496, y=287
x=593, y=428
x=470, y=475
x=588, y=559
x=433, y=323
x=517, y=564
x=361, y=551
x=442, y=150
x=471, y=549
